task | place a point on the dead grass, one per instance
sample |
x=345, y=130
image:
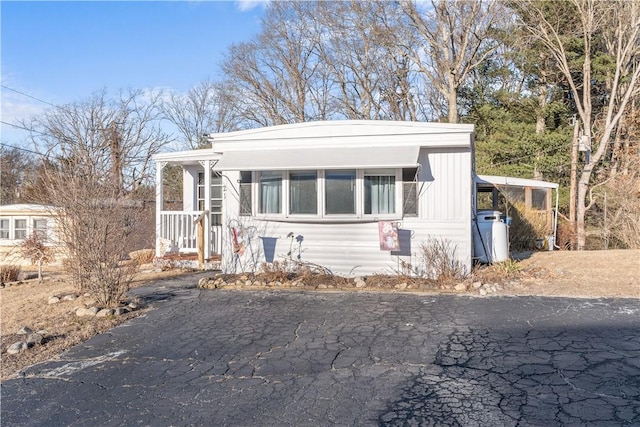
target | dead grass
x=614, y=274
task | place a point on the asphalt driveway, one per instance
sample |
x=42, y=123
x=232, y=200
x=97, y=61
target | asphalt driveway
x=245, y=358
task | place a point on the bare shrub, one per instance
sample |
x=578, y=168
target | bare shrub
x=440, y=261
x=9, y=273
x=34, y=249
x=527, y=226
x=96, y=168
x=620, y=226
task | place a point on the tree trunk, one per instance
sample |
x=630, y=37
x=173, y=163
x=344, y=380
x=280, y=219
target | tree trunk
x=452, y=100
x=574, y=179
x=581, y=211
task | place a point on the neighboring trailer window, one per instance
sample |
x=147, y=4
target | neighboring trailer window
x=409, y=192
x=20, y=229
x=40, y=228
x=379, y=193
x=303, y=192
x=4, y=228
x=245, y=193
x=270, y=192
x=340, y=192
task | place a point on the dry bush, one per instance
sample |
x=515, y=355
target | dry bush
x=527, y=226
x=623, y=212
x=142, y=256
x=440, y=261
x=288, y=269
x=9, y=273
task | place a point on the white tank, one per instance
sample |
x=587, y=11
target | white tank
x=490, y=238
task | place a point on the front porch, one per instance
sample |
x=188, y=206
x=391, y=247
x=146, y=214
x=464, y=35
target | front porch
x=200, y=198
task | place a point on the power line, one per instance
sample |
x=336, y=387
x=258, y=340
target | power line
x=22, y=149
x=27, y=95
x=24, y=128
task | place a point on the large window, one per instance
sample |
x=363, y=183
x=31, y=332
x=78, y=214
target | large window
x=340, y=192
x=270, y=192
x=379, y=192
x=303, y=192
x=335, y=194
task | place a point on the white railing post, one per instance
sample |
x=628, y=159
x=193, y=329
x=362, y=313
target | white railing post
x=207, y=208
x=159, y=202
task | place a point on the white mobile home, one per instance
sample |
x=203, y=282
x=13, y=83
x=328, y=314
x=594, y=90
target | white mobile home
x=355, y=197
x=18, y=222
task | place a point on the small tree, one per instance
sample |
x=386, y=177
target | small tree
x=34, y=249
x=98, y=157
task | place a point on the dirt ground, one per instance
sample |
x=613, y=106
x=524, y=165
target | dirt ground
x=614, y=273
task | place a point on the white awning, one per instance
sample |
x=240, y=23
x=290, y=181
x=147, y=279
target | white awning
x=320, y=158
x=513, y=182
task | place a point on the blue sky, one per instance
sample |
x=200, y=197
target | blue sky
x=62, y=52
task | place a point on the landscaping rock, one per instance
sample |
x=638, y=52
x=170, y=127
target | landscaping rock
x=360, y=283
x=105, y=312
x=482, y=291
x=476, y=285
x=25, y=330
x=35, y=339
x=322, y=286
x=17, y=347
x=53, y=300
x=460, y=287
x=120, y=311
x=91, y=311
x=70, y=297
x=401, y=286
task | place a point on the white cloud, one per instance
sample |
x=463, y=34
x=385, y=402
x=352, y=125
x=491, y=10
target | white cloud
x=246, y=5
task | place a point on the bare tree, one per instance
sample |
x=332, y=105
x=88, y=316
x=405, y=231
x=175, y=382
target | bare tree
x=98, y=157
x=455, y=36
x=277, y=76
x=609, y=27
x=205, y=108
x=15, y=167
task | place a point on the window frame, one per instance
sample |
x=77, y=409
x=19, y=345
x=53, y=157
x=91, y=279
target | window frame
x=321, y=214
x=283, y=202
x=287, y=187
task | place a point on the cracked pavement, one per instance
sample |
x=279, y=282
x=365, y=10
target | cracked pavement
x=214, y=357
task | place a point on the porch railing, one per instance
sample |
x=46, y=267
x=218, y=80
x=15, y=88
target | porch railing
x=177, y=229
